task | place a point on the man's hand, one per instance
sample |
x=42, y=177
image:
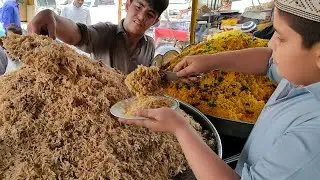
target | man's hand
x=161, y=120
x=43, y=23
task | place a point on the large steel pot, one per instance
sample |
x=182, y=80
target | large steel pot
x=232, y=128
x=206, y=125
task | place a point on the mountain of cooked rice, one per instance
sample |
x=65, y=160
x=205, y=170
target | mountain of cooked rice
x=55, y=121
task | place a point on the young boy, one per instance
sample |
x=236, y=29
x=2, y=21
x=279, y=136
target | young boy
x=122, y=46
x=285, y=142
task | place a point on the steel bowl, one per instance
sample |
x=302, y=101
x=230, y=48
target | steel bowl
x=206, y=125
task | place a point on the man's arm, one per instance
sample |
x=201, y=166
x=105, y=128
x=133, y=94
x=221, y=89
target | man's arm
x=96, y=38
x=67, y=30
x=91, y=39
x=49, y=23
x=249, y=61
x=205, y=164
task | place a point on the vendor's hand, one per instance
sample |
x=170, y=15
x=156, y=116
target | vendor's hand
x=192, y=65
x=161, y=120
x=43, y=23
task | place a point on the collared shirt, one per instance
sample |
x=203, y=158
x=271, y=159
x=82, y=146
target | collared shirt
x=109, y=43
x=9, y=13
x=77, y=15
x=285, y=141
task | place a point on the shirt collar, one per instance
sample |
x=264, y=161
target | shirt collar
x=314, y=89
x=290, y=90
x=120, y=29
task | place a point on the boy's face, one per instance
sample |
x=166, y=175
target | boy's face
x=140, y=17
x=297, y=64
x=78, y=3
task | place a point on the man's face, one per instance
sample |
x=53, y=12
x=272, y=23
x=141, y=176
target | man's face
x=295, y=63
x=78, y=3
x=140, y=17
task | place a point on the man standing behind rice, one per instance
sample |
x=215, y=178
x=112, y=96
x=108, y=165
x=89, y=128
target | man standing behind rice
x=77, y=13
x=123, y=46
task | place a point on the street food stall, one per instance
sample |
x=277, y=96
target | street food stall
x=63, y=119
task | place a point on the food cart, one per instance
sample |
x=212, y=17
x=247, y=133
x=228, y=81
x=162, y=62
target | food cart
x=228, y=100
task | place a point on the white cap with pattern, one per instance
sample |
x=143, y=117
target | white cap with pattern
x=308, y=9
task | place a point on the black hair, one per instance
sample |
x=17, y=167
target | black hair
x=157, y=5
x=16, y=29
x=309, y=30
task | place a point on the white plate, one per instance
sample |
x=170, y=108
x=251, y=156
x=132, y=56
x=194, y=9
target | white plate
x=118, y=109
